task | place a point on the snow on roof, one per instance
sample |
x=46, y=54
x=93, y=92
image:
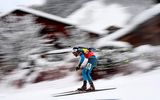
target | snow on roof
x=146, y=15
x=97, y=16
x=39, y=13
x=90, y=30
x=5, y=13
x=49, y=16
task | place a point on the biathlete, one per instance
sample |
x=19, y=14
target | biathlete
x=86, y=70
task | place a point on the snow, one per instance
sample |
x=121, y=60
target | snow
x=142, y=17
x=44, y=64
x=6, y=5
x=144, y=86
x=143, y=64
x=147, y=48
x=97, y=16
x=113, y=43
x=147, y=14
x=60, y=51
x=38, y=13
x=137, y=86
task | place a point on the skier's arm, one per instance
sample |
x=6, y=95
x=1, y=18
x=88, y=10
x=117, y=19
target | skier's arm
x=81, y=59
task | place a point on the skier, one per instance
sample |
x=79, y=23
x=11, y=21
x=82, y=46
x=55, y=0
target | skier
x=86, y=71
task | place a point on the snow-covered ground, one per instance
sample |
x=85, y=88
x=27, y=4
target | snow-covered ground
x=138, y=86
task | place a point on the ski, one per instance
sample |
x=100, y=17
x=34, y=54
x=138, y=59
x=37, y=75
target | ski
x=78, y=92
x=72, y=91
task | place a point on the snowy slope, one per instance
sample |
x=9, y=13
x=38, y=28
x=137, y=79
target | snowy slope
x=137, y=86
x=140, y=86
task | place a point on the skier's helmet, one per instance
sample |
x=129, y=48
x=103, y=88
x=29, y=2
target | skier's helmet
x=75, y=51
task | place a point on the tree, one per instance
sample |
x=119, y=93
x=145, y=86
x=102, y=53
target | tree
x=19, y=38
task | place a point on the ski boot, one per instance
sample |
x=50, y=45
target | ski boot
x=84, y=86
x=92, y=88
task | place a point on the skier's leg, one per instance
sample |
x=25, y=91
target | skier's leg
x=90, y=65
x=84, y=86
x=84, y=76
x=92, y=62
x=92, y=88
x=88, y=72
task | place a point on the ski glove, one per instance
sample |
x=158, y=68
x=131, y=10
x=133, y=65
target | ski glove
x=77, y=68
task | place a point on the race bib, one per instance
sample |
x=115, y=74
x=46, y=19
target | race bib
x=88, y=66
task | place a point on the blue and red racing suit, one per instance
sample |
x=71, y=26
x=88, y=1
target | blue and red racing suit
x=92, y=62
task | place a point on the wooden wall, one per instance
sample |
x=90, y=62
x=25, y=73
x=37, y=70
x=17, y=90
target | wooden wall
x=50, y=26
x=145, y=33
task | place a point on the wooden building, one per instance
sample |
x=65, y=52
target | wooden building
x=52, y=24
x=143, y=29
x=147, y=32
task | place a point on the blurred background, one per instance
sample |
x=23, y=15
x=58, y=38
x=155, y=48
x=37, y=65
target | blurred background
x=36, y=38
